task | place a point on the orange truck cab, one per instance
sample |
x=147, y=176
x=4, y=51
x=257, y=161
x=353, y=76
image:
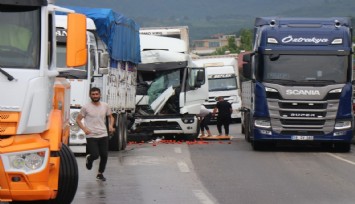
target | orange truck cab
x=35, y=162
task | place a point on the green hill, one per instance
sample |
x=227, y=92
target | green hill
x=208, y=17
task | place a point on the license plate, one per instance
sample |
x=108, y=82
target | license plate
x=302, y=137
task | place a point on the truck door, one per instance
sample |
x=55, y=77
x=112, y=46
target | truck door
x=196, y=91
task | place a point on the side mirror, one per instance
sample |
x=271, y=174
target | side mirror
x=76, y=40
x=247, y=72
x=246, y=58
x=200, y=78
x=103, y=71
x=104, y=58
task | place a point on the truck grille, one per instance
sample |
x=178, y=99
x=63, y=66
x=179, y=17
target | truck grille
x=296, y=117
x=159, y=125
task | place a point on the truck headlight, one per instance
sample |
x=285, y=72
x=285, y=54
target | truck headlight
x=73, y=136
x=74, y=127
x=28, y=162
x=74, y=115
x=262, y=123
x=234, y=99
x=342, y=125
x=81, y=136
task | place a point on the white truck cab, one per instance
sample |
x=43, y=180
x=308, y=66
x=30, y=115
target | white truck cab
x=223, y=80
x=170, y=90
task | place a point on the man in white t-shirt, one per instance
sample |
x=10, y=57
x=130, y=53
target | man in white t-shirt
x=94, y=115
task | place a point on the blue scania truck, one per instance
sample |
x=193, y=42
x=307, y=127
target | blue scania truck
x=299, y=83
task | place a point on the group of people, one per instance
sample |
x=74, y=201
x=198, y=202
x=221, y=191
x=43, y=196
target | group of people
x=97, y=112
x=224, y=110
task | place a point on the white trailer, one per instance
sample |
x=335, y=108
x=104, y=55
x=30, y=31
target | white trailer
x=223, y=80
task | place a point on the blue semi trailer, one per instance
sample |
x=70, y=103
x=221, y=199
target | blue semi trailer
x=299, y=86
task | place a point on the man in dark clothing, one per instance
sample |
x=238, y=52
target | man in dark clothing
x=224, y=116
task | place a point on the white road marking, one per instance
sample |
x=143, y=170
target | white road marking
x=202, y=197
x=183, y=167
x=341, y=158
x=178, y=150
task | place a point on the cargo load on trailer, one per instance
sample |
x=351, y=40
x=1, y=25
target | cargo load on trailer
x=113, y=42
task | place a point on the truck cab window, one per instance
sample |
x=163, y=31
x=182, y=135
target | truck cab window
x=302, y=68
x=19, y=42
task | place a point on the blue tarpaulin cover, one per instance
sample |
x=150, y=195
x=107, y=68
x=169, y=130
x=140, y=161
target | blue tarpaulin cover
x=119, y=33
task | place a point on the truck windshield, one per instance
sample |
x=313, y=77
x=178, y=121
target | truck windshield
x=303, y=69
x=222, y=84
x=162, y=82
x=20, y=37
x=69, y=73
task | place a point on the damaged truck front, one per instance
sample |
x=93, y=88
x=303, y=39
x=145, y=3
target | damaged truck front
x=170, y=91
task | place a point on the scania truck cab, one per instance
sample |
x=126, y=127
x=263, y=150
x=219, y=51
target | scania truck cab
x=300, y=87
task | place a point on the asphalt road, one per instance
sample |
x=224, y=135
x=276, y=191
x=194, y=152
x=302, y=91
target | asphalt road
x=219, y=172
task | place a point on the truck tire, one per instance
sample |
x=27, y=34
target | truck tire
x=242, y=123
x=247, y=127
x=116, y=138
x=194, y=136
x=257, y=146
x=342, y=147
x=68, y=176
x=124, y=126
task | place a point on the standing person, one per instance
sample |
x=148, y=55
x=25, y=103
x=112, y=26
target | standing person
x=94, y=115
x=224, y=117
x=204, y=117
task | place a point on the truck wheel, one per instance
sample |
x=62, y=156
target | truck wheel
x=342, y=147
x=257, y=146
x=68, y=176
x=247, y=128
x=124, y=131
x=191, y=137
x=243, y=123
x=114, y=144
x=194, y=136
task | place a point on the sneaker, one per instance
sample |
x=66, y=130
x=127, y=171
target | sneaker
x=88, y=163
x=100, y=177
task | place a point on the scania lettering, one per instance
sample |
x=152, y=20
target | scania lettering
x=302, y=92
x=36, y=165
x=299, y=85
